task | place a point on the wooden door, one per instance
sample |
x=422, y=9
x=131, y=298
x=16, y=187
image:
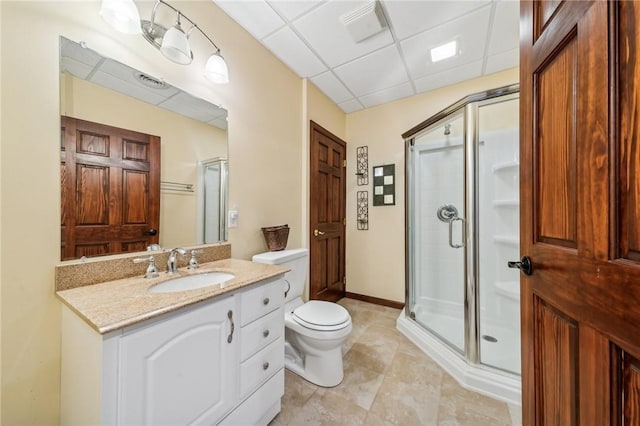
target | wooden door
x=327, y=215
x=110, y=189
x=580, y=183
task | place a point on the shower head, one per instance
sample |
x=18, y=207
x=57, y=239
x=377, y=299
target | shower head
x=447, y=129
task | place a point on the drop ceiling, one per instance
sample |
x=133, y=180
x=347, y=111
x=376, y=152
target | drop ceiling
x=309, y=37
x=87, y=64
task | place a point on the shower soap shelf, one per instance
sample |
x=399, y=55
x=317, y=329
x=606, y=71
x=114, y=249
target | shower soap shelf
x=506, y=203
x=511, y=241
x=504, y=166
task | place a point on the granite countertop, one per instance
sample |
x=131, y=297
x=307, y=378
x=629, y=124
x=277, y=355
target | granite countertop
x=112, y=305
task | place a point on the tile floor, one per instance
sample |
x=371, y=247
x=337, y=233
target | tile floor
x=387, y=381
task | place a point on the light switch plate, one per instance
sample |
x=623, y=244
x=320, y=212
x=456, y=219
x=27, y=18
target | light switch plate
x=233, y=218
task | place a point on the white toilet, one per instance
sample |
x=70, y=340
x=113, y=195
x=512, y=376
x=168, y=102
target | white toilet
x=315, y=330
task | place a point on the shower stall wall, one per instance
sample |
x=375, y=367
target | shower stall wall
x=462, y=195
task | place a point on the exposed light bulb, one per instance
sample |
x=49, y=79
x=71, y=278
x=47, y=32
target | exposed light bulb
x=216, y=69
x=122, y=15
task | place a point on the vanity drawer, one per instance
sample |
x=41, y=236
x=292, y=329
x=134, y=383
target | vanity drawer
x=260, y=333
x=261, y=407
x=261, y=300
x=261, y=366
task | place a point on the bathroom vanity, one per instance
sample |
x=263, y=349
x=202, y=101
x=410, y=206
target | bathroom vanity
x=213, y=355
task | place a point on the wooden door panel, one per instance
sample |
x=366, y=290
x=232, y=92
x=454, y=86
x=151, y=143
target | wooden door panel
x=555, y=142
x=92, y=195
x=631, y=393
x=556, y=340
x=629, y=149
x=135, y=197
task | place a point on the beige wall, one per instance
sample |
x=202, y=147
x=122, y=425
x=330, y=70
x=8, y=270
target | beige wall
x=269, y=110
x=264, y=100
x=375, y=258
x=184, y=142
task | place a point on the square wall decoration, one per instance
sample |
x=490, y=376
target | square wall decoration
x=384, y=185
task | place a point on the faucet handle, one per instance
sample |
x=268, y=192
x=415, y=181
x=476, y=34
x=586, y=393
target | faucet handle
x=152, y=270
x=193, y=262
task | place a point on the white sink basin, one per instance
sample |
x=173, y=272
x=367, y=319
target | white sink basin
x=192, y=282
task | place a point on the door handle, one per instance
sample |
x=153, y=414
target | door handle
x=316, y=233
x=151, y=232
x=454, y=219
x=524, y=265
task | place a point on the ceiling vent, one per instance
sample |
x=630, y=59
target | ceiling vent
x=150, y=81
x=365, y=21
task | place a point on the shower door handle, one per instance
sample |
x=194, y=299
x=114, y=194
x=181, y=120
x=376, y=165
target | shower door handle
x=454, y=219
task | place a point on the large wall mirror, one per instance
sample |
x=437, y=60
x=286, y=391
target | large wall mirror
x=142, y=163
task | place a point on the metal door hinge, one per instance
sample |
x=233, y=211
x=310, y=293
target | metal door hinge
x=344, y=163
x=344, y=279
x=344, y=221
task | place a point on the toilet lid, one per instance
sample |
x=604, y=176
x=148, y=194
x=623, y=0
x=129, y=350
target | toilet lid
x=319, y=315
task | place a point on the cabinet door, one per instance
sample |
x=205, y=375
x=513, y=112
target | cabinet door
x=181, y=370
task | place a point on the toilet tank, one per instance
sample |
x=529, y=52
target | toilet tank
x=296, y=261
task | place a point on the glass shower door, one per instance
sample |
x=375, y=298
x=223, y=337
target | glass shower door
x=437, y=297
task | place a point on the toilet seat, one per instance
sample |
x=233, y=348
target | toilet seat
x=321, y=316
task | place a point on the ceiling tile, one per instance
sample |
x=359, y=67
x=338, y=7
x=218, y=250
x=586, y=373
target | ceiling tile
x=293, y=9
x=470, y=31
x=412, y=17
x=220, y=123
x=255, y=16
x=324, y=32
x=332, y=87
x=193, y=107
x=287, y=46
x=387, y=95
x=505, y=34
x=372, y=73
x=79, y=69
x=502, y=61
x=128, y=88
x=350, y=106
x=446, y=78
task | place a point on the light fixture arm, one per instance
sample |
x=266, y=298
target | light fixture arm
x=180, y=14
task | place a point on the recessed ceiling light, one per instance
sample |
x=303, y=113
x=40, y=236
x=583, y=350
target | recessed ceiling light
x=444, y=51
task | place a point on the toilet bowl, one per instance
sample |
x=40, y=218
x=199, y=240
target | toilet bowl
x=315, y=330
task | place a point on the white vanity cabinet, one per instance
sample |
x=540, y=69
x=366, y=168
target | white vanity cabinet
x=218, y=361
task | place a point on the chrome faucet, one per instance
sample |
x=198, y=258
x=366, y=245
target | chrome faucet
x=152, y=271
x=172, y=261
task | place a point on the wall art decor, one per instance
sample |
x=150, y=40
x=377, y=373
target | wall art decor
x=362, y=165
x=384, y=185
x=363, y=210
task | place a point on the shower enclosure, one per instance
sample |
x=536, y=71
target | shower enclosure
x=462, y=197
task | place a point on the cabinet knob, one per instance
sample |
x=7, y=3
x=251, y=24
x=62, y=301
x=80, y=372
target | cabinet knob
x=265, y=366
x=265, y=333
x=265, y=301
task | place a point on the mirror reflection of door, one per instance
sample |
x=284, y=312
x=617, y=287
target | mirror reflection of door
x=212, y=201
x=110, y=189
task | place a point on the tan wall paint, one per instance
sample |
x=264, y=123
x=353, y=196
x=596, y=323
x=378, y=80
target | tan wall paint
x=180, y=150
x=264, y=102
x=317, y=107
x=375, y=258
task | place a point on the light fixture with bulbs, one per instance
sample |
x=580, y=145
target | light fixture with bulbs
x=172, y=42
